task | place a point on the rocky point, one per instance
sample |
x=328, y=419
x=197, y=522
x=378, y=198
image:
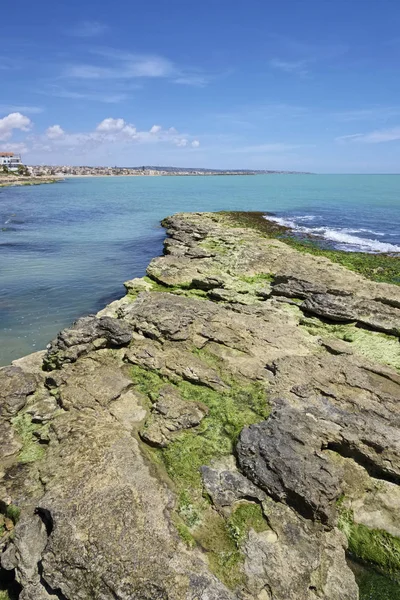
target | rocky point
x=229, y=430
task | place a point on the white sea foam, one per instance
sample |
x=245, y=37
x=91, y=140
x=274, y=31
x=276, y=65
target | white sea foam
x=346, y=230
x=307, y=218
x=344, y=238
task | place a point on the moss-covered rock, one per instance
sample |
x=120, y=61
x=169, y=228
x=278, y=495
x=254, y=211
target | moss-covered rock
x=373, y=546
x=378, y=267
x=145, y=491
x=31, y=434
x=373, y=585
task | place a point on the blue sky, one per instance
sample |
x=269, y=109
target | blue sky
x=297, y=84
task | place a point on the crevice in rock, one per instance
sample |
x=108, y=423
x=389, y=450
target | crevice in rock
x=300, y=505
x=272, y=368
x=9, y=584
x=46, y=518
x=342, y=321
x=329, y=321
x=374, y=470
x=379, y=371
x=388, y=301
x=57, y=593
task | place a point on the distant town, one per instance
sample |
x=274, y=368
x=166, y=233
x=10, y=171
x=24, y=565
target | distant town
x=82, y=171
x=13, y=171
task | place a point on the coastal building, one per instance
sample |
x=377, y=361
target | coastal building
x=10, y=160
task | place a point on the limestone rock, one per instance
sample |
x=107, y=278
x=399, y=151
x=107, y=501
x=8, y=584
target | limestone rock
x=9, y=443
x=169, y=415
x=174, y=360
x=284, y=455
x=15, y=387
x=101, y=511
x=297, y=560
x=111, y=536
x=225, y=484
x=88, y=333
x=370, y=312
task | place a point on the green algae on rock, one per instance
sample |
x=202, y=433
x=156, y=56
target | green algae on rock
x=374, y=345
x=373, y=585
x=376, y=547
x=201, y=430
x=378, y=267
x=184, y=456
x=30, y=434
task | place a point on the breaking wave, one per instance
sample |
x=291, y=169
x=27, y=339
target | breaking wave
x=344, y=238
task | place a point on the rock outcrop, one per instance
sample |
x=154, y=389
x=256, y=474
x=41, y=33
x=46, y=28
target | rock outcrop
x=226, y=431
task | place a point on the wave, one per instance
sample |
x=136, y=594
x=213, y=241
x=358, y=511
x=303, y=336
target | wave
x=344, y=238
x=307, y=218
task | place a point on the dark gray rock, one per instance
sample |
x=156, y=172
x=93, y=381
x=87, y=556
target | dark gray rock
x=285, y=455
x=87, y=334
x=369, y=312
x=292, y=287
x=280, y=456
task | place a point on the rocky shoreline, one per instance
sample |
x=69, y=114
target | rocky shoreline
x=229, y=430
x=22, y=180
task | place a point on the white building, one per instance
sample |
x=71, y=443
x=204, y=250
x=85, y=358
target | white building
x=10, y=160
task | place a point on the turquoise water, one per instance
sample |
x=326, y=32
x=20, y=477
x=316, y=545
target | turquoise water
x=65, y=249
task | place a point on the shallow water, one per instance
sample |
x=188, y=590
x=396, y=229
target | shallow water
x=66, y=248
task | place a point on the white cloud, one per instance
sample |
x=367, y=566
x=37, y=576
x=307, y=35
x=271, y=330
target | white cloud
x=130, y=130
x=18, y=147
x=156, y=129
x=151, y=66
x=54, y=132
x=374, y=137
x=111, y=125
x=107, y=132
x=91, y=72
x=13, y=121
x=88, y=29
x=194, y=80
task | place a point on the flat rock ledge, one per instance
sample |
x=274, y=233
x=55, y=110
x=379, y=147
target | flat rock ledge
x=227, y=430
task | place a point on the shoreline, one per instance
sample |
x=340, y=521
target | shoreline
x=378, y=266
x=27, y=181
x=241, y=397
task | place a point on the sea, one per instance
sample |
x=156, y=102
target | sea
x=67, y=248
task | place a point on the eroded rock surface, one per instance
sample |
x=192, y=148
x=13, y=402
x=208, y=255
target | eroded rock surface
x=203, y=438
x=169, y=415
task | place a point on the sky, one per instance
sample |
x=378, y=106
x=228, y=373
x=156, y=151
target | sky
x=305, y=85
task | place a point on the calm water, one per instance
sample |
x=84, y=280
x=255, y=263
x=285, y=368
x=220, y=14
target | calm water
x=65, y=249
